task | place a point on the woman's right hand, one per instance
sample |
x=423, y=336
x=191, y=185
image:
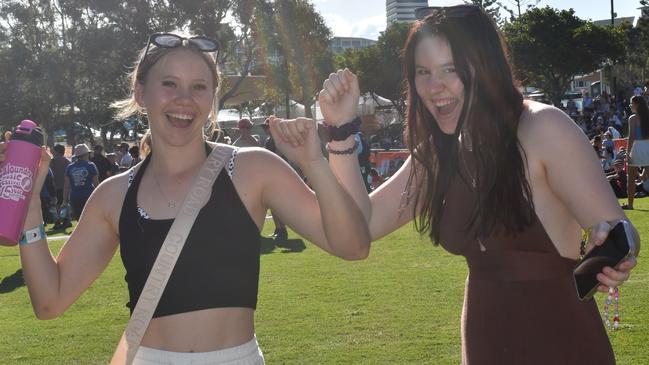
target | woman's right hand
x=339, y=97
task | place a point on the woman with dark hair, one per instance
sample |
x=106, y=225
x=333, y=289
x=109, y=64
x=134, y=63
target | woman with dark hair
x=134, y=151
x=638, y=144
x=206, y=312
x=496, y=179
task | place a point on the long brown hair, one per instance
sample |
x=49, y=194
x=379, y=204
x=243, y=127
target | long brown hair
x=643, y=114
x=486, y=134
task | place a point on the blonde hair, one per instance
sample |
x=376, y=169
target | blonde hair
x=127, y=107
x=145, y=144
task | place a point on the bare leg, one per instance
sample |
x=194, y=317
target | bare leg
x=630, y=185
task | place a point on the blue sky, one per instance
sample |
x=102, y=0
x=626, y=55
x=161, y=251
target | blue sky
x=366, y=18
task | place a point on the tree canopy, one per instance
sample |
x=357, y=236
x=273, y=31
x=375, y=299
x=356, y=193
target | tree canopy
x=62, y=62
x=379, y=67
x=549, y=47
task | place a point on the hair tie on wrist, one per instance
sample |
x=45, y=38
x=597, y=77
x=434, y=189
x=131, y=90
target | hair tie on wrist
x=340, y=133
x=347, y=151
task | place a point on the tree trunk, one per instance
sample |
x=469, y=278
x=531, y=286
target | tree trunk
x=287, y=103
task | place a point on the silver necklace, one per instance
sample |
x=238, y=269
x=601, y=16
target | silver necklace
x=170, y=203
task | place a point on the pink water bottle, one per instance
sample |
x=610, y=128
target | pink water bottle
x=17, y=178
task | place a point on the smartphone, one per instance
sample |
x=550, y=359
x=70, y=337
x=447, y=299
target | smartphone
x=617, y=247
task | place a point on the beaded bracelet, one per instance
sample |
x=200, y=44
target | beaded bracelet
x=347, y=151
x=613, y=297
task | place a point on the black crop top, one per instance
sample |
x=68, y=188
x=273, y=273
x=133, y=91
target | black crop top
x=217, y=268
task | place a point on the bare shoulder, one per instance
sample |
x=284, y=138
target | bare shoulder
x=546, y=125
x=115, y=184
x=110, y=194
x=252, y=160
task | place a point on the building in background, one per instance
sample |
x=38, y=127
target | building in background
x=402, y=10
x=340, y=44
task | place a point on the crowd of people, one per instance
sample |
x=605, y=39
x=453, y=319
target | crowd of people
x=613, y=127
x=72, y=179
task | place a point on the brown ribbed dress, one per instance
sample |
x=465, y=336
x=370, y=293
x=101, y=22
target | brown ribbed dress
x=520, y=303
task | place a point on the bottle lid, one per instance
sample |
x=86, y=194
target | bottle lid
x=28, y=131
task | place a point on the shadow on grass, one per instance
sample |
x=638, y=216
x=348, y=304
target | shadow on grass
x=12, y=282
x=268, y=245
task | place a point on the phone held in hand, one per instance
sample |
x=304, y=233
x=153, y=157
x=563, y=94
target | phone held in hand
x=617, y=247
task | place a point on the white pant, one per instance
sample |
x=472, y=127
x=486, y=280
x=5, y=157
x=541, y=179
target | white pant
x=248, y=353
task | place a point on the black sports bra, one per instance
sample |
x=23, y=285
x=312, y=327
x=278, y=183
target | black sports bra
x=219, y=265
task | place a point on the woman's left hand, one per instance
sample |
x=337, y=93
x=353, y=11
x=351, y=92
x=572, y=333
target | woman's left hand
x=297, y=139
x=609, y=277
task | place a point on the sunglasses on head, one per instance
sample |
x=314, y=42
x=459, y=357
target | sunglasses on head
x=170, y=40
x=457, y=11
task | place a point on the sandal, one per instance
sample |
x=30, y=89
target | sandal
x=627, y=207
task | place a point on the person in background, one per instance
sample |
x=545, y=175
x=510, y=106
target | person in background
x=246, y=139
x=642, y=187
x=134, y=151
x=101, y=162
x=48, y=199
x=81, y=178
x=618, y=179
x=638, y=145
x=375, y=179
x=114, y=166
x=363, y=153
x=125, y=158
x=280, y=233
x=608, y=151
x=596, y=142
x=58, y=165
x=571, y=107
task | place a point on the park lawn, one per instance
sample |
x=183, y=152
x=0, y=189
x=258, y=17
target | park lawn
x=400, y=306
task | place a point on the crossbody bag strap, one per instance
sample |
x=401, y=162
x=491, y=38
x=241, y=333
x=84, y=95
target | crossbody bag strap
x=197, y=197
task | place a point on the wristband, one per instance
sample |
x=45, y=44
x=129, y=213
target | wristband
x=32, y=235
x=348, y=151
x=340, y=133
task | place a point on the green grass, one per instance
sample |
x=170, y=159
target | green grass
x=400, y=306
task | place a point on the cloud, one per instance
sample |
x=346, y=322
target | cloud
x=369, y=27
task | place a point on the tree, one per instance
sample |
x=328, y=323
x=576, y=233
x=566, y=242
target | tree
x=637, y=45
x=517, y=4
x=64, y=61
x=549, y=47
x=303, y=39
x=493, y=8
x=379, y=67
